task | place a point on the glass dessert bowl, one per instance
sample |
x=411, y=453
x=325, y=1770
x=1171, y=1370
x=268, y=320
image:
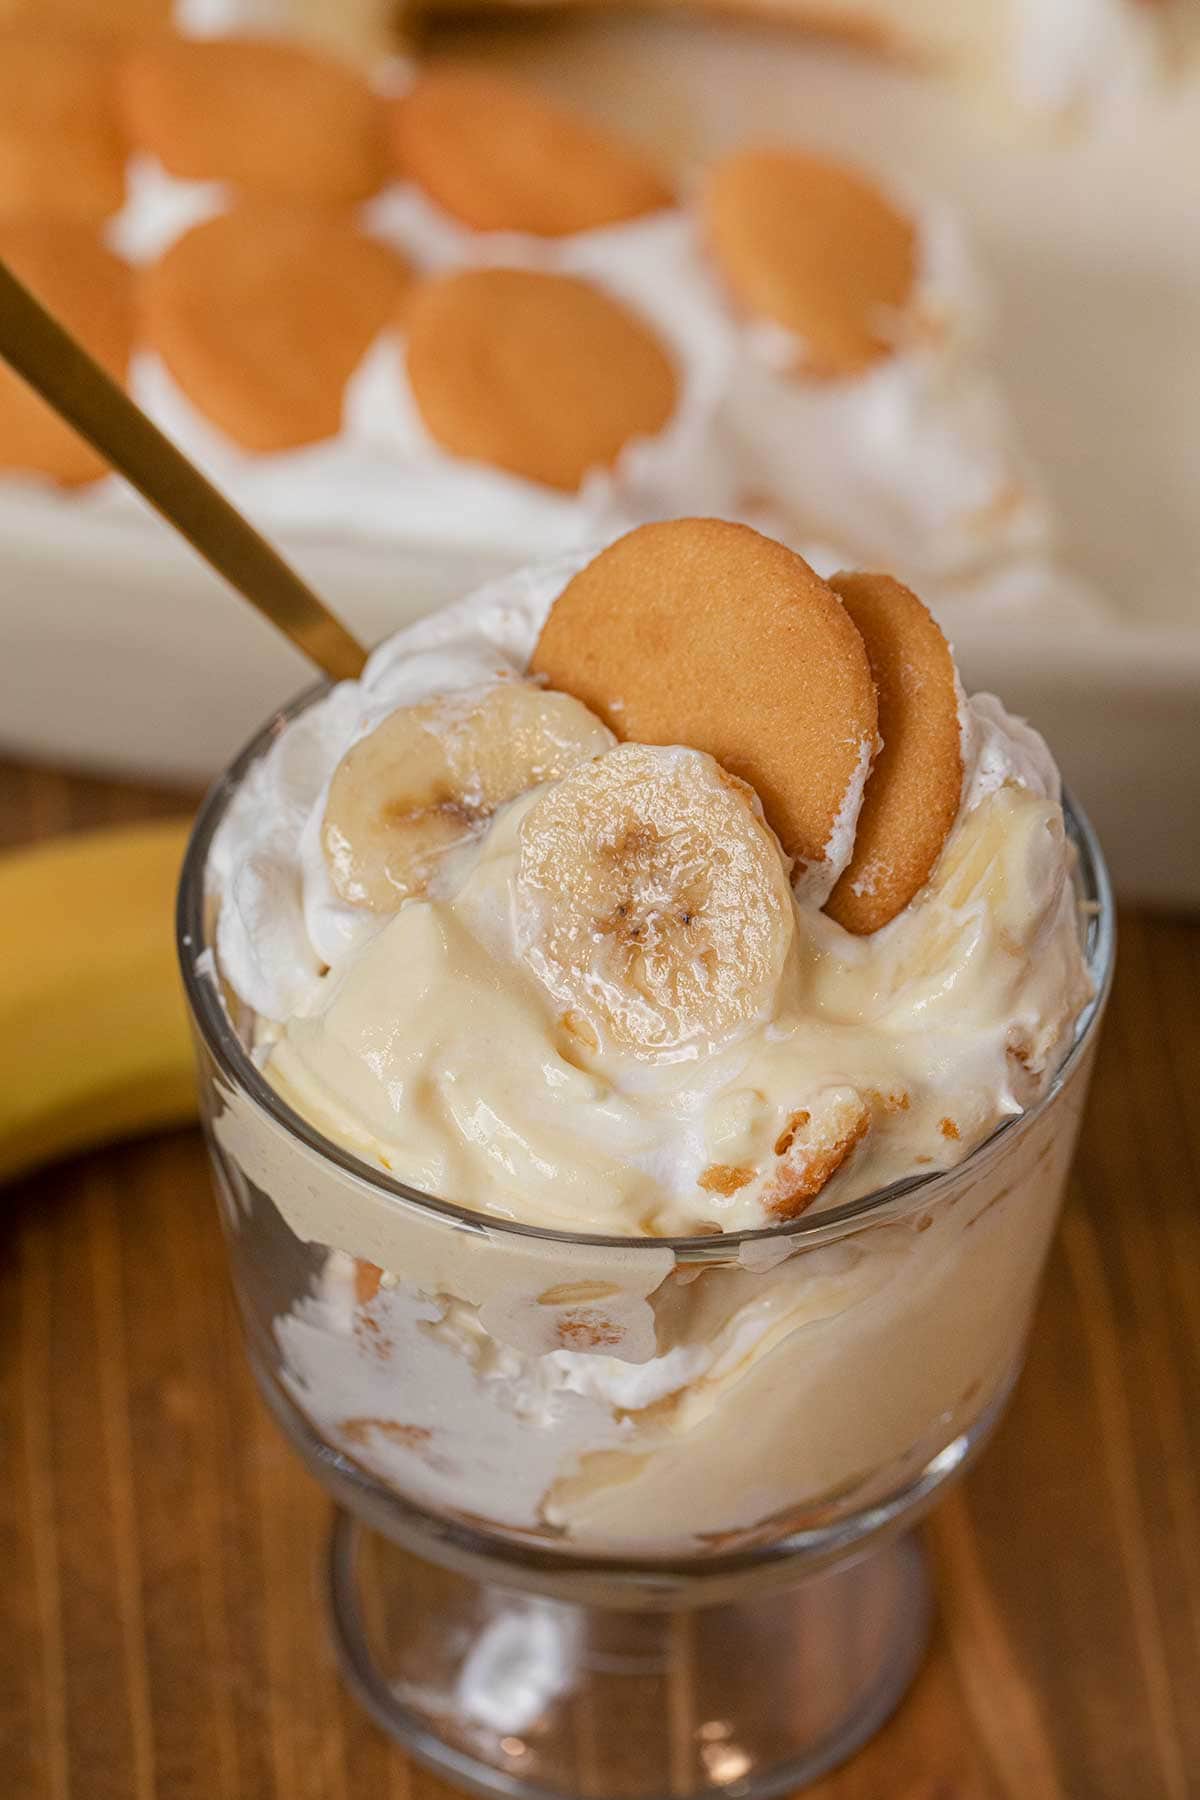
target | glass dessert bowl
x=623, y=1512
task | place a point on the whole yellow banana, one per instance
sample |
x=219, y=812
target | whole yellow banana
x=93, y=1033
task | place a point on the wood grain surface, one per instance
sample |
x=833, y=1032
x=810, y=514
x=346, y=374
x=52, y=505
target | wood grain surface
x=161, y=1630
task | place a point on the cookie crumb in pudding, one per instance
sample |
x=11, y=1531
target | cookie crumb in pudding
x=808, y=1167
x=360, y=1431
x=787, y=1137
x=578, y=1026
x=719, y=1178
x=367, y=1277
x=588, y=1331
x=895, y=1101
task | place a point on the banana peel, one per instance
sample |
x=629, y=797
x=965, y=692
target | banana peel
x=94, y=1042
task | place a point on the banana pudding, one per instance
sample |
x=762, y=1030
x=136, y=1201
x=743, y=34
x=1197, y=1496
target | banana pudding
x=620, y=932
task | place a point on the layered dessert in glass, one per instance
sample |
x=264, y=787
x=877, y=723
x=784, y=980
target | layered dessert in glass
x=644, y=1023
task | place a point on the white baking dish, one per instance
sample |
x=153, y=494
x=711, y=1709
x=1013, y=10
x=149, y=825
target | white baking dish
x=118, y=650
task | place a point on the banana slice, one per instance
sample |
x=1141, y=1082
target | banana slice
x=431, y=776
x=654, y=898
x=996, y=884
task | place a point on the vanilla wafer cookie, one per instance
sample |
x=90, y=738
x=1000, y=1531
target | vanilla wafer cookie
x=276, y=119
x=913, y=793
x=815, y=248
x=542, y=375
x=61, y=146
x=262, y=314
x=704, y=633
x=499, y=156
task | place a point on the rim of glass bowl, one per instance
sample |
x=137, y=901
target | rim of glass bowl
x=231, y=1058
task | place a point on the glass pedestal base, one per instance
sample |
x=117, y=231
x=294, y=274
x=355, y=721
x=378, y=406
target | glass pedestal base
x=512, y=1693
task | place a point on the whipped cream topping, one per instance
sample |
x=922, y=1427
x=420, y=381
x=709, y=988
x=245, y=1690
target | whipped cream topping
x=423, y=1040
x=784, y=1380
x=910, y=465
x=160, y=208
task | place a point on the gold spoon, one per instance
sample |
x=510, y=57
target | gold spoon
x=74, y=384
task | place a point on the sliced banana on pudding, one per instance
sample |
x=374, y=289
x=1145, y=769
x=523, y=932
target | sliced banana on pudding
x=654, y=899
x=430, y=777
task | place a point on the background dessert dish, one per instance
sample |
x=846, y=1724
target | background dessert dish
x=691, y=1046
x=1088, y=241
x=305, y=362
x=463, y=175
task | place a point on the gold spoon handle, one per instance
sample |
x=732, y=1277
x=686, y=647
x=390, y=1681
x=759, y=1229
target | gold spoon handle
x=75, y=385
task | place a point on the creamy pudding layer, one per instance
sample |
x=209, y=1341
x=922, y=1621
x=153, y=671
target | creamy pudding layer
x=622, y=1401
x=775, y=1397
x=440, y=1059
